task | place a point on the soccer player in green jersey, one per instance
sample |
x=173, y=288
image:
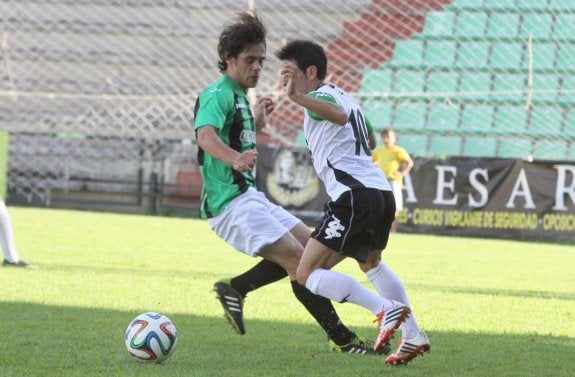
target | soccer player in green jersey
x=226, y=127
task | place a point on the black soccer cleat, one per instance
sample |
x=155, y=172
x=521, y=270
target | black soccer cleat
x=7, y=263
x=360, y=346
x=233, y=304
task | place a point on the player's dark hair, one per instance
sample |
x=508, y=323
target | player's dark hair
x=305, y=54
x=238, y=35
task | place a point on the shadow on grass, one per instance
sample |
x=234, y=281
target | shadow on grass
x=425, y=287
x=496, y=292
x=39, y=340
x=172, y=272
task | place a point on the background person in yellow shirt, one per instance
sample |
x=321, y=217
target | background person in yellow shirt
x=395, y=163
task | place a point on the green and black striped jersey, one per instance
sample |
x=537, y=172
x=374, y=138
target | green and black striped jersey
x=224, y=105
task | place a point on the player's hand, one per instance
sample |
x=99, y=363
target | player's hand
x=264, y=105
x=289, y=72
x=246, y=161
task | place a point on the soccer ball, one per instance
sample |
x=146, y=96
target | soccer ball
x=151, y=338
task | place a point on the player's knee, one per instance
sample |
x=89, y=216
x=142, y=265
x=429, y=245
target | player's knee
x=364, y=267
x=371, y=262
x=302, y=276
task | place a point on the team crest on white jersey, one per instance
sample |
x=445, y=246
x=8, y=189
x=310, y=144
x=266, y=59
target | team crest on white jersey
x=334, y=228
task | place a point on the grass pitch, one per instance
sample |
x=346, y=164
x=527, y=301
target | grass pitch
x=490, y=307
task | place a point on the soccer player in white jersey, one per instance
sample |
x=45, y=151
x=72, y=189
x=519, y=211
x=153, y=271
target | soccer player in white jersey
x=11, y=257
x=357, y=220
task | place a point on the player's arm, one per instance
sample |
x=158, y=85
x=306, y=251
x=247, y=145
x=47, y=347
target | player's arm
x=406, y=167
x=372, y=141
x=210, y=142
x=406, y=163
x=370, y=134
x=322, y=109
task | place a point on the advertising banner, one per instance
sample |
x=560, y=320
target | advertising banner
x=495, y=198
x=491, y=198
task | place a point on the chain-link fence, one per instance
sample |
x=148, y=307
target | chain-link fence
x=98, y=95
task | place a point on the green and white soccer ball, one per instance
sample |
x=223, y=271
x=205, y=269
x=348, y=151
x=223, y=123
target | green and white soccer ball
x=151, y=338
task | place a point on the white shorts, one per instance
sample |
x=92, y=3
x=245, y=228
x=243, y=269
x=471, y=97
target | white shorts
x=251, y=222
x=398, y=193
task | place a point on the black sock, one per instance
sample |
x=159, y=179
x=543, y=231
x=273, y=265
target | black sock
x=324, y=313
x=263, y=273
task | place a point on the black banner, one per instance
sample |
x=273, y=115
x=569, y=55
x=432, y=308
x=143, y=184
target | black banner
x=491, y=198
x=498, y=198
x=287, y=178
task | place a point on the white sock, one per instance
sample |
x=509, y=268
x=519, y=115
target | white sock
x=388, y=285
x=340, y=287
x=6, y=235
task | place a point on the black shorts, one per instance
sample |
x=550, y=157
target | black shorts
x=357, y=223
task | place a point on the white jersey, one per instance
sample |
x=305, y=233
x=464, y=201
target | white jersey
x=341, y=154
